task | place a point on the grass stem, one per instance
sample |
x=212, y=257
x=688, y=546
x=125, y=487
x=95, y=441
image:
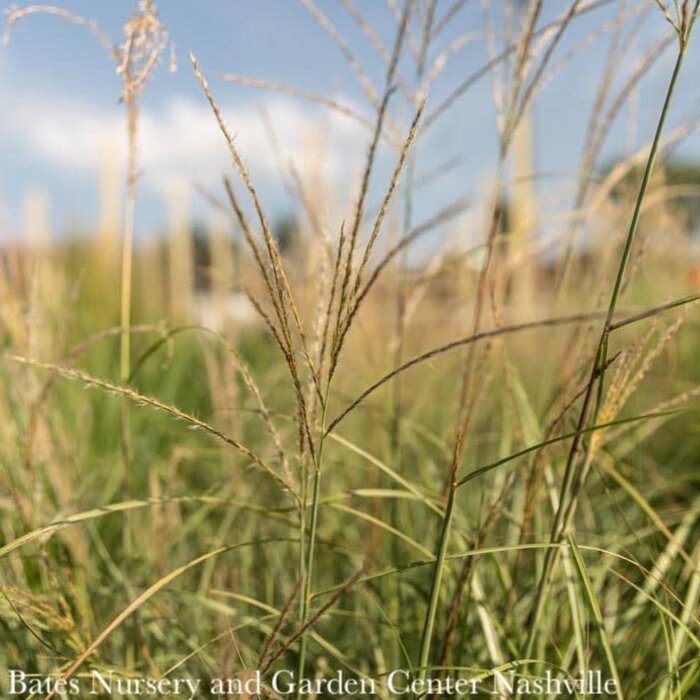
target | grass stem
x=567, y=502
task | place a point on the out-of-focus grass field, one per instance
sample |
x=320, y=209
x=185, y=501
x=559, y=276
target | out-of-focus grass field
x=203, y=514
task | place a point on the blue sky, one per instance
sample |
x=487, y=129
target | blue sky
x=60, y=112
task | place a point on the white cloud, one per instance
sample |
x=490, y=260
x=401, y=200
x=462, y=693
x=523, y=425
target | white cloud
x=180, y=141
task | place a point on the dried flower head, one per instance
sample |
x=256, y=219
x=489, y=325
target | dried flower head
x=145, y=40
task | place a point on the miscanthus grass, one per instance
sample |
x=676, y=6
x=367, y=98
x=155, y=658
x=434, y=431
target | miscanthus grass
x=475, y=466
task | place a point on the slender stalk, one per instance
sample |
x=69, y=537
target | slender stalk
x=128, y=244
x=307, y=572
x=395, y=439
x=567, y=502
x=439, y=569
x=126, y=291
